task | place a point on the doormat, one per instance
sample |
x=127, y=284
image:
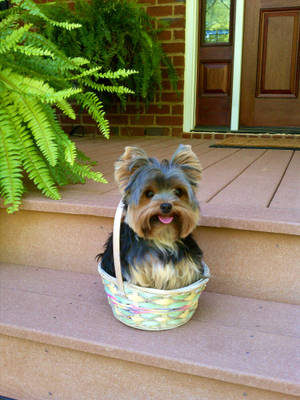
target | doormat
x=241, y=142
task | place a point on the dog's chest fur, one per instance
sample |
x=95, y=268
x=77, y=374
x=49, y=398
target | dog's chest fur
x=154, y=273
x=146, y=263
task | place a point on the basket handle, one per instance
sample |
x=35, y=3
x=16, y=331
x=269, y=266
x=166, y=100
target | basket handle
x=116, y=246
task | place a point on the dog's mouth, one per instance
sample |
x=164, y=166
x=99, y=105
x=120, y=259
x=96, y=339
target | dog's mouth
x=163, y=219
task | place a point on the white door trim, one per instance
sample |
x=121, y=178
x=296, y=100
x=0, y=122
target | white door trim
x=191, y=63
x=237, y=64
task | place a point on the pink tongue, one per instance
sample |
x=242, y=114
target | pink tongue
x=165, y=220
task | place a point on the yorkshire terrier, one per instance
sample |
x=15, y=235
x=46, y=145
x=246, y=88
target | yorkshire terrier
x=157, y=249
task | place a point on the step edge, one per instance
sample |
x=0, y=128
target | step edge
x=213, y=216
x=227, y=375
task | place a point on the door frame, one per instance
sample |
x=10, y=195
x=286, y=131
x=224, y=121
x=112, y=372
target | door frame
x=191, y=64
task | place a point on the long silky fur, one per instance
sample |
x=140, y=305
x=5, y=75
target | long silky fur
x=162, y=256
x=145, y=263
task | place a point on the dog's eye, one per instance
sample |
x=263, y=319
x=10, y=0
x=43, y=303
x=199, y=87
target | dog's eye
x=178, y=192
x=149, y=194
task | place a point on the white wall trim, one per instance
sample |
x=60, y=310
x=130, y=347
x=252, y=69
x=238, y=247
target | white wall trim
x=237, y=64
x=191, y=63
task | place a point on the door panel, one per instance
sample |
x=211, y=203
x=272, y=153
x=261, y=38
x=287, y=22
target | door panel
x=215, y=78
x=215, y=63
x=277, y=55
x=270, y=77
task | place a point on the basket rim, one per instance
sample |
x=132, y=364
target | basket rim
x=184, y=289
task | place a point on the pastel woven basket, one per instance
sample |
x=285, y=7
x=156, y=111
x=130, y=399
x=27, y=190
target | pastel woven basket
x=146, y=308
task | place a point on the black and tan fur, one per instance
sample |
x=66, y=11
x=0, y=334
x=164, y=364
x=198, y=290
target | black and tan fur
x=157, y=249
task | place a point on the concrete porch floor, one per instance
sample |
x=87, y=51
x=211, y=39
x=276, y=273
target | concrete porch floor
x=248, y=189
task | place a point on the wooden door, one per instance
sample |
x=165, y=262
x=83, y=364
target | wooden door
x=215, y=63
x=270, y=68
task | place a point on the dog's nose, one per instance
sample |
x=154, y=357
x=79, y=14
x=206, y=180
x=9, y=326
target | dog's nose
x=166, y=207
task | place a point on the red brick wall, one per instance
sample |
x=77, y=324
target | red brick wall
x=167, y=119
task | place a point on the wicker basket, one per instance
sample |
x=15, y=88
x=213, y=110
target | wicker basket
x=146, y=308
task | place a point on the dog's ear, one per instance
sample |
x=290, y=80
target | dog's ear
x=132, y=159
x=189, y=163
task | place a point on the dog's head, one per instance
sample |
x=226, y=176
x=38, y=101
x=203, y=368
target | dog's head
x=160, y=196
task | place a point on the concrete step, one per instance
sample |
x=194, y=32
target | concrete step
x=243, y=262
x=61, y=341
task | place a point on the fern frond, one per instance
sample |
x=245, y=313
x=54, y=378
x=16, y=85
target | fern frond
x=120, y=73
x=86, y=172
x=147, y=38
x=23, y=85
x=64, y=94
x=8, y=20
x=32, y=159
x=106, y=88
x=91, y=71
x=94, y=106
x=62, y=138
x=34, y=51
x=10, y=41
x=66, y=108
x=32, y=67
x=70, y=148
x=79, y=61
x=64, y=172
x=58, y=174
x=34, y=10
x=173, y=77
x=42, y=91
x=36, y=88
x=32, y=113
x=63, y=62
x=11, y=186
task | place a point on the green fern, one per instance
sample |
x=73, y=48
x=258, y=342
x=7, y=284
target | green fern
x=90, y=101
x=36, y=120
x=11, y=186
x=32, y=159
x=12, y=40
x=36, y=76
x=118, y=35
x=34, y=10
